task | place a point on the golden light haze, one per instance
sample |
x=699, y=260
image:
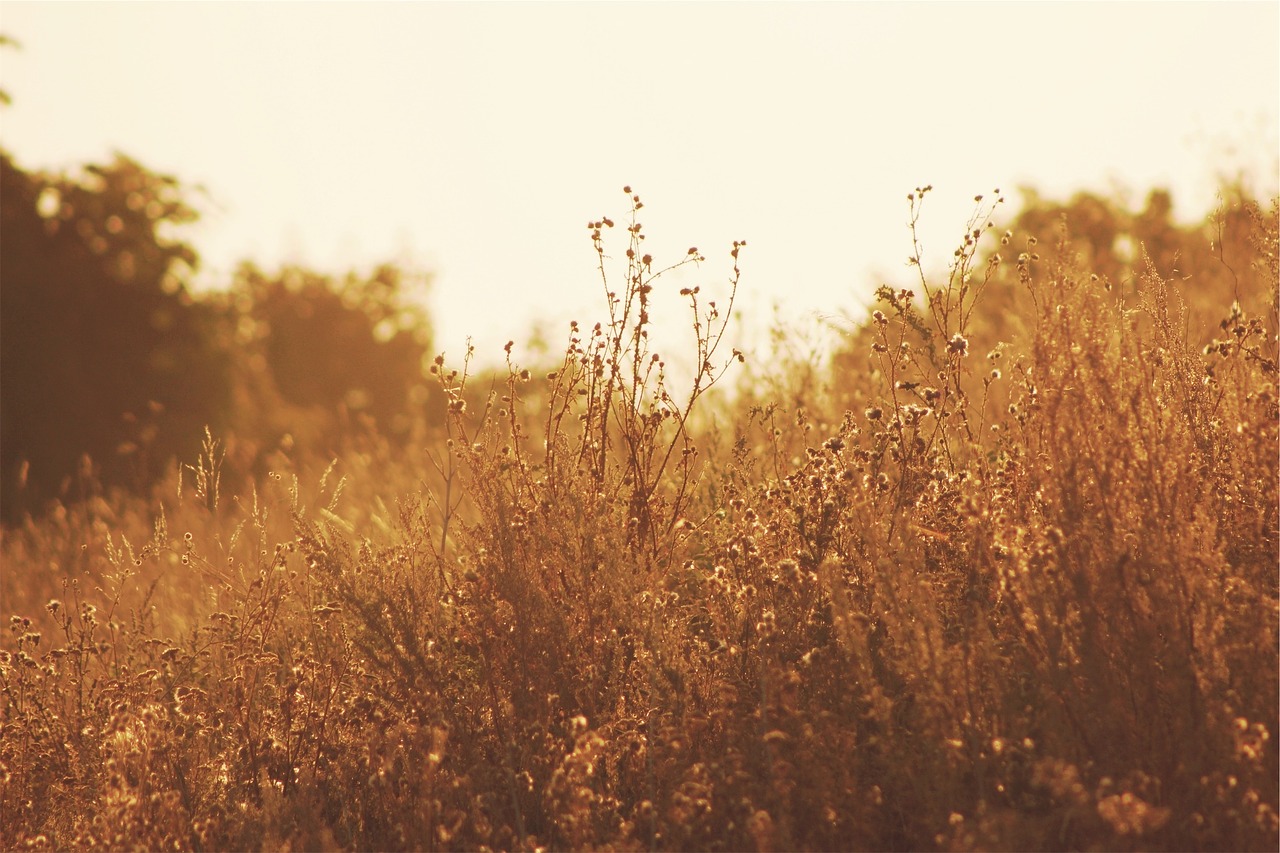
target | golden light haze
x=992, y=566
x=475, y=140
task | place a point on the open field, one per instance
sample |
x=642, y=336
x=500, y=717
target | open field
x=999, y=572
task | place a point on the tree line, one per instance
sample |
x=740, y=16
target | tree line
x=111, y=366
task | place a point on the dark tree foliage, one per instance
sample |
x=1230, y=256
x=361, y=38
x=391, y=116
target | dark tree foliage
x=105, y=353
x=111, y=368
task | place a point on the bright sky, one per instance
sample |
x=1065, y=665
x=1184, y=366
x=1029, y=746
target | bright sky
x=476, y=140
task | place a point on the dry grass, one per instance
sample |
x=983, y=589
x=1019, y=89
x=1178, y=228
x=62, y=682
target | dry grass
x=1004, y=577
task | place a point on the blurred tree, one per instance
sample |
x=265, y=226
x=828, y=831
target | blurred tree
x=7, y=41
x=105, y=353
x=1108, y=239
x=326, y=353
x=1114, y=243
x=102, y=349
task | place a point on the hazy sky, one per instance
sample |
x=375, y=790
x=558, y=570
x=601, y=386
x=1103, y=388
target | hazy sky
x=476, y=140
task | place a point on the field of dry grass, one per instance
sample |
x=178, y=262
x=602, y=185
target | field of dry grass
x=1001, y=573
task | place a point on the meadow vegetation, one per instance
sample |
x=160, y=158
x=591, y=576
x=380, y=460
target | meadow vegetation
x=999, y=572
